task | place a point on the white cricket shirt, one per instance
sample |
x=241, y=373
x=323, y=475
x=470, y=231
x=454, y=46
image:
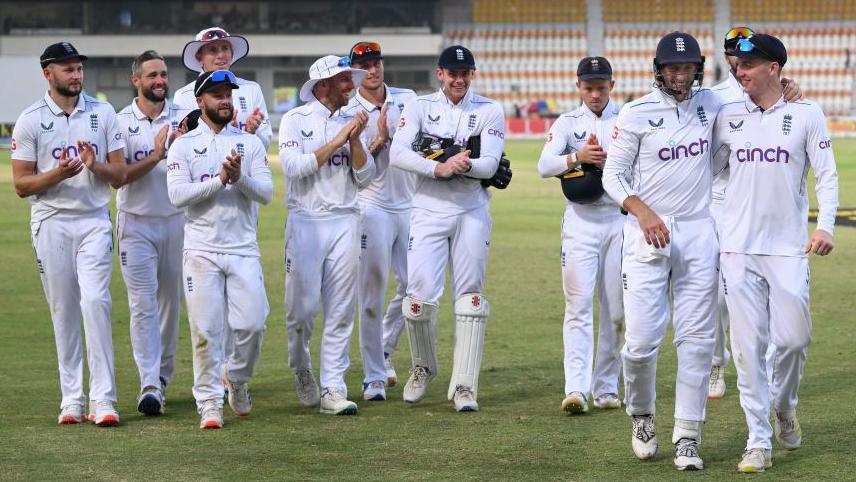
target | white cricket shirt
x=729, y=90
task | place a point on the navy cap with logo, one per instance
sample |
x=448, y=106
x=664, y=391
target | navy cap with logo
x=364, y=52
x=60, y=52
x=761, y=46
x=678, y=48
x=213, y=79
x=456, y=57
x=592, y=68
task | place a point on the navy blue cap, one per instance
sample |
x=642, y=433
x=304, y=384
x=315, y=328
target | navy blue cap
x=213, y=79
x=678, y=48
x=456, y=57
x=60, y=52
x=592, y=68
x=761, y=46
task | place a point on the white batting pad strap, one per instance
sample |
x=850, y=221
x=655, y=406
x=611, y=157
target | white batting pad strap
x=471, y=311
x=422, y=332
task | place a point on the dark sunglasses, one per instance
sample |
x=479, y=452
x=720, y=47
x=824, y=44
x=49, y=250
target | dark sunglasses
x=214, y=34
x=364, y=48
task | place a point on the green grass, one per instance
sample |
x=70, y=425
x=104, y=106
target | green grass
x=519, y=433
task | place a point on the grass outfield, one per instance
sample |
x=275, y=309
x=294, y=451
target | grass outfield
x=520, y=432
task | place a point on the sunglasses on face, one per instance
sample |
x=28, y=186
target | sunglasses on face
x=214, y=34
x=364, y=48
x=217, y=76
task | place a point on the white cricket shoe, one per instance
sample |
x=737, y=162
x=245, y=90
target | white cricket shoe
x=374, y=391
x=644, y=440
x=716, y=387
x=788, y=431
x=307, y=389
x=607, y=401
x=465, y=400
x=211, y=416
x=755, y=460
x=333, y=402
x=71, y=414
x=150, y=401
x=417, y=386
x=575, y=402
x=686, y=455
x=391, y=376
x=102, y=413
x=238, y=395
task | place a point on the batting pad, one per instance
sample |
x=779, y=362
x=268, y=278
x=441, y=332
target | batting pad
x=421, y=320
x=471, y=311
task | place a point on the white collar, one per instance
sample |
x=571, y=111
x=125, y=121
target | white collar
x=57, y=110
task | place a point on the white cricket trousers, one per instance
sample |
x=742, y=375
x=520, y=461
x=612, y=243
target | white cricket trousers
x=223, y=290
x=321, y=266
x=768, y=299
x=150, y=255
x=461, y=240
x=383, y=244
x=721, y=356
x=74, y=255
x=591, y=257
x=688, y=269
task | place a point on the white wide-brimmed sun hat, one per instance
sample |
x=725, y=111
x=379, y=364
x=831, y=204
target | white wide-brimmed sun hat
x=326, y=67
x=240, y=46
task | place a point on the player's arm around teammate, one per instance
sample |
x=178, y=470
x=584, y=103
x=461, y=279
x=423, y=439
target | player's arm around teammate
x=66, y=149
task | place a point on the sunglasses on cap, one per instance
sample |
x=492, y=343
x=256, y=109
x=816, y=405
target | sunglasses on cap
x=344, y=62
x=214, y=34
x=364, y=48
x=216, y=77
x=746, y=45
x=736, y=34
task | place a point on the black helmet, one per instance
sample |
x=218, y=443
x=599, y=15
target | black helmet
x=678, y=48
x=582, y=185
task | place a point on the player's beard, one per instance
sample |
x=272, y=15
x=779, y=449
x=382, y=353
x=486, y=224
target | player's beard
x=149, y=94
x=217, y=118
x=68, y=90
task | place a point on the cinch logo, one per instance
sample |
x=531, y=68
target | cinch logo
x=70, y=151
x=826, y=144
x=290, y=143
x=47, y=128
x=678, y=151
x=753, y=154
x=139, y=155
x=433, y=119
x=580, y=136
x=497, y=133
x=340, y=159
x=208, y=176
x=173, y=167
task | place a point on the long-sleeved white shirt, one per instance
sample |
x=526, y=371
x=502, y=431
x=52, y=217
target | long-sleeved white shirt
x=729, y=90
x=663, y=148
x=435, y=115
x=147, y=196
x=245, y=99
x=330, y=189
x=219, y=219
x=769, y=154
x=391, y=188
x=569, y=134
x=41, y=134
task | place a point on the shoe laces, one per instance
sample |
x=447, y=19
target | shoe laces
x=786, y=423
x=686, y=447
x=463, y=392
x=332, y=394
x=376, y=385
x=420, y=375
x=103, y=405
x=209, y=406
x=755, y=453
x=643, y=427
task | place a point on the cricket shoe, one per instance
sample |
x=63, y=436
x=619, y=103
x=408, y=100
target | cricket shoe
x=238, y=395
x=102, y=413
x=417, y=386
x=150, y=401
x=788, y=431
x=607, y=401
x=575, y=403
x=374, y=391
x=686, y=455
x=391, y=376
x=644, y=440
x=755, y=460
x=716, y=387
x=465, y=399
x=307, y=389
x=211, y=415
x=333, y=402
x=71, y=414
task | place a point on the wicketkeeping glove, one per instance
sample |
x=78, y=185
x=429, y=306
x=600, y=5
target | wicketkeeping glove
x=502, y=178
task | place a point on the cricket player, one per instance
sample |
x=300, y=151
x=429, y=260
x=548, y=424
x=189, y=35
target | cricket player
x=323, y=154
x=67, y=150
x=150, y=229
x=449, y=223
x=729, y=90
x=214, y=49
x=219, y=175
x=591, y=243
x=770, y=145
x=384, y=222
